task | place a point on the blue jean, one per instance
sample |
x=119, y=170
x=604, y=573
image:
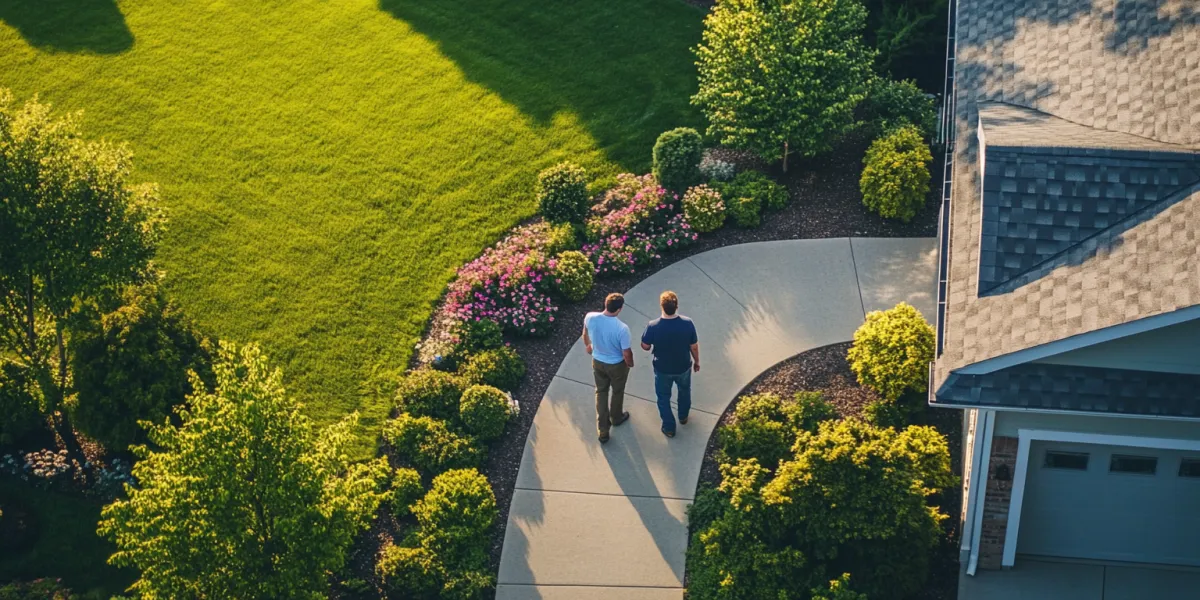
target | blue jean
x=662, y=389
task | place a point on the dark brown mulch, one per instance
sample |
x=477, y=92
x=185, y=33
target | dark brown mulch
x=827, y=370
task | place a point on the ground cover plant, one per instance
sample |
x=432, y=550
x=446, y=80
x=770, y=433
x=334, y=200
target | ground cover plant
x=326, y=168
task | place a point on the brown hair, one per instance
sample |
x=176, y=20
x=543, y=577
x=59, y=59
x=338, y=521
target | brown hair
x=669, y=302
x=613, y=302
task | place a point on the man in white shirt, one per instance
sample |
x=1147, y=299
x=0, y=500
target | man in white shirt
x=607, y=339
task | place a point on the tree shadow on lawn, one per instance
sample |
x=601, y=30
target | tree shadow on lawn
x=95, y=26
x=623, y=67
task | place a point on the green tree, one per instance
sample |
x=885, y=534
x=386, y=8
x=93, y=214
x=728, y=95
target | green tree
x=72, y=229
x=782, y=76
x=132, y=365
x=244, y=499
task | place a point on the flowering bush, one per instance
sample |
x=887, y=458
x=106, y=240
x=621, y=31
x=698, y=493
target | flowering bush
x=636, y=228
x=574, y=274
x=562, y=193
x=715, y=169
x=704, y=209
x=509, y=284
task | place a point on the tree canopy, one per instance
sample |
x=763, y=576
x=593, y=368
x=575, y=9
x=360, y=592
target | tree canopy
x=782, y=76
x=245, y=499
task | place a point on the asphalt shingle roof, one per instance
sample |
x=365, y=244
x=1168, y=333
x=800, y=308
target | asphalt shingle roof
x=1104, y=74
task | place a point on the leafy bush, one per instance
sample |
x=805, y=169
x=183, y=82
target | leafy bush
x=746, y=211
x=633, y=225
x=485, y=411
x=704, y=209
x=562, y=193
x=132, y=364
x=560, y=237
x=406, y=490
x=428, y=444
x=677, y=156
x=894, y=104
x=715, y=169
x=895, y=177
x=885, y=413
x=430, y=393
x=839, y=589
x=411, y=572
x=574, y=275
x=709, y=505
x=19, y=413
x=764, y=426
x=502, y=368
x=468, y=338
x=456, y=518
x=770, y=195
x=38, y=589
x=510, y=283
x=892, y=351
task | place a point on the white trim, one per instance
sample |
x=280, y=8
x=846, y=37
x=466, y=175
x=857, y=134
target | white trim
x=1026, y=436
x=1082, y=340
x=979, y=476
x=1073, y=413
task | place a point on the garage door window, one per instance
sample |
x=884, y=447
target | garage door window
x=1075, y=461
x=1138, y=465
x=1189, y=467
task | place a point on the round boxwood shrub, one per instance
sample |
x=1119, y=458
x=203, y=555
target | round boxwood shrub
x=502, y=368
x=704, y=208
x=892, y=351
x=456, y=518
x=895, y=177
x=485, y=411
x=429, y=444
x=677, y=155
x=562, y=193
x=406, y=490
x=745, y=210
x=430, y=393
x=410, y=572
x=574, y=275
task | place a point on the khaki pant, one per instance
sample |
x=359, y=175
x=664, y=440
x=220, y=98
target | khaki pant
x=609, y=376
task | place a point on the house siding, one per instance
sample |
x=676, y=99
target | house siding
x=1008, y=423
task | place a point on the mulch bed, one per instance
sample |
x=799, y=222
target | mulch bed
x=827, y=370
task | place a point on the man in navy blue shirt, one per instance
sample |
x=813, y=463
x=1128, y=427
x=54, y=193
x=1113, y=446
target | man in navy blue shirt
x=672, y=340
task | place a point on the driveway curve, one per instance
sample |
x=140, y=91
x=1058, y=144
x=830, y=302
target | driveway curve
x=590, y=520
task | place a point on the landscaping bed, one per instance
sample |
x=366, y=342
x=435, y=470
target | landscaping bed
x=826, y=370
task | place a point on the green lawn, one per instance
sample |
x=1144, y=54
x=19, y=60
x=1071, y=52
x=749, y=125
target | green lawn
x=328, y=164
x=67, y=546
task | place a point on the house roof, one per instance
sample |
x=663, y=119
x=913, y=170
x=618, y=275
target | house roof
x=1106, y=91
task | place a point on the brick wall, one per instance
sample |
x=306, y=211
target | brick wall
x=1002, y=463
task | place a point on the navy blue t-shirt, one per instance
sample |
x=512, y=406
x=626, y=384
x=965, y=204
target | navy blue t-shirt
x=672, y=340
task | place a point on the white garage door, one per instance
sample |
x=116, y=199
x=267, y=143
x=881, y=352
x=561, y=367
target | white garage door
x=1111, y=503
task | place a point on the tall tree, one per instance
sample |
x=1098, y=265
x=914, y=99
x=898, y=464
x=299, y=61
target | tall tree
x=72, y=229
x=782, y=76
x=244, y=499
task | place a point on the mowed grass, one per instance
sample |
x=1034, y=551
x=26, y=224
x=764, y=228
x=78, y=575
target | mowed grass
x=328, y=164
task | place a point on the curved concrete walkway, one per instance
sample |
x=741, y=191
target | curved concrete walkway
x=591, y=521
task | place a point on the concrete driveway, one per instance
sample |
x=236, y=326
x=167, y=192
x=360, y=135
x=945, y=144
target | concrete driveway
x=1034, y=579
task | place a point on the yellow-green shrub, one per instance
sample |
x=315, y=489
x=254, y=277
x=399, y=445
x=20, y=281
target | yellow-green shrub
x=892, y=351
x=895, y=177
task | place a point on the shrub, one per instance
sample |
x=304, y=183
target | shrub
x=885, y=413
x=468, y=585
x=428, y=444
x=456, y=518
x=677, y=156
x=634, y=225
x=895, y=177
x=406, y=491
x=574, y=274
x=628, y=186
x=893, y=104
x=715, y=169
x=509, y=284
x=38, y=589
x=485, y=411
x=562, y=193
x=131, y=365
x=764, y=426
x=892, y=351
x=839, y=589
x=560, y=238
x=769, y=194
x=704, y=209
x=410, y=572
x=430, y=393
x=746, y=211
x=19, y=413
x=502, y=368
x=468, y=338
